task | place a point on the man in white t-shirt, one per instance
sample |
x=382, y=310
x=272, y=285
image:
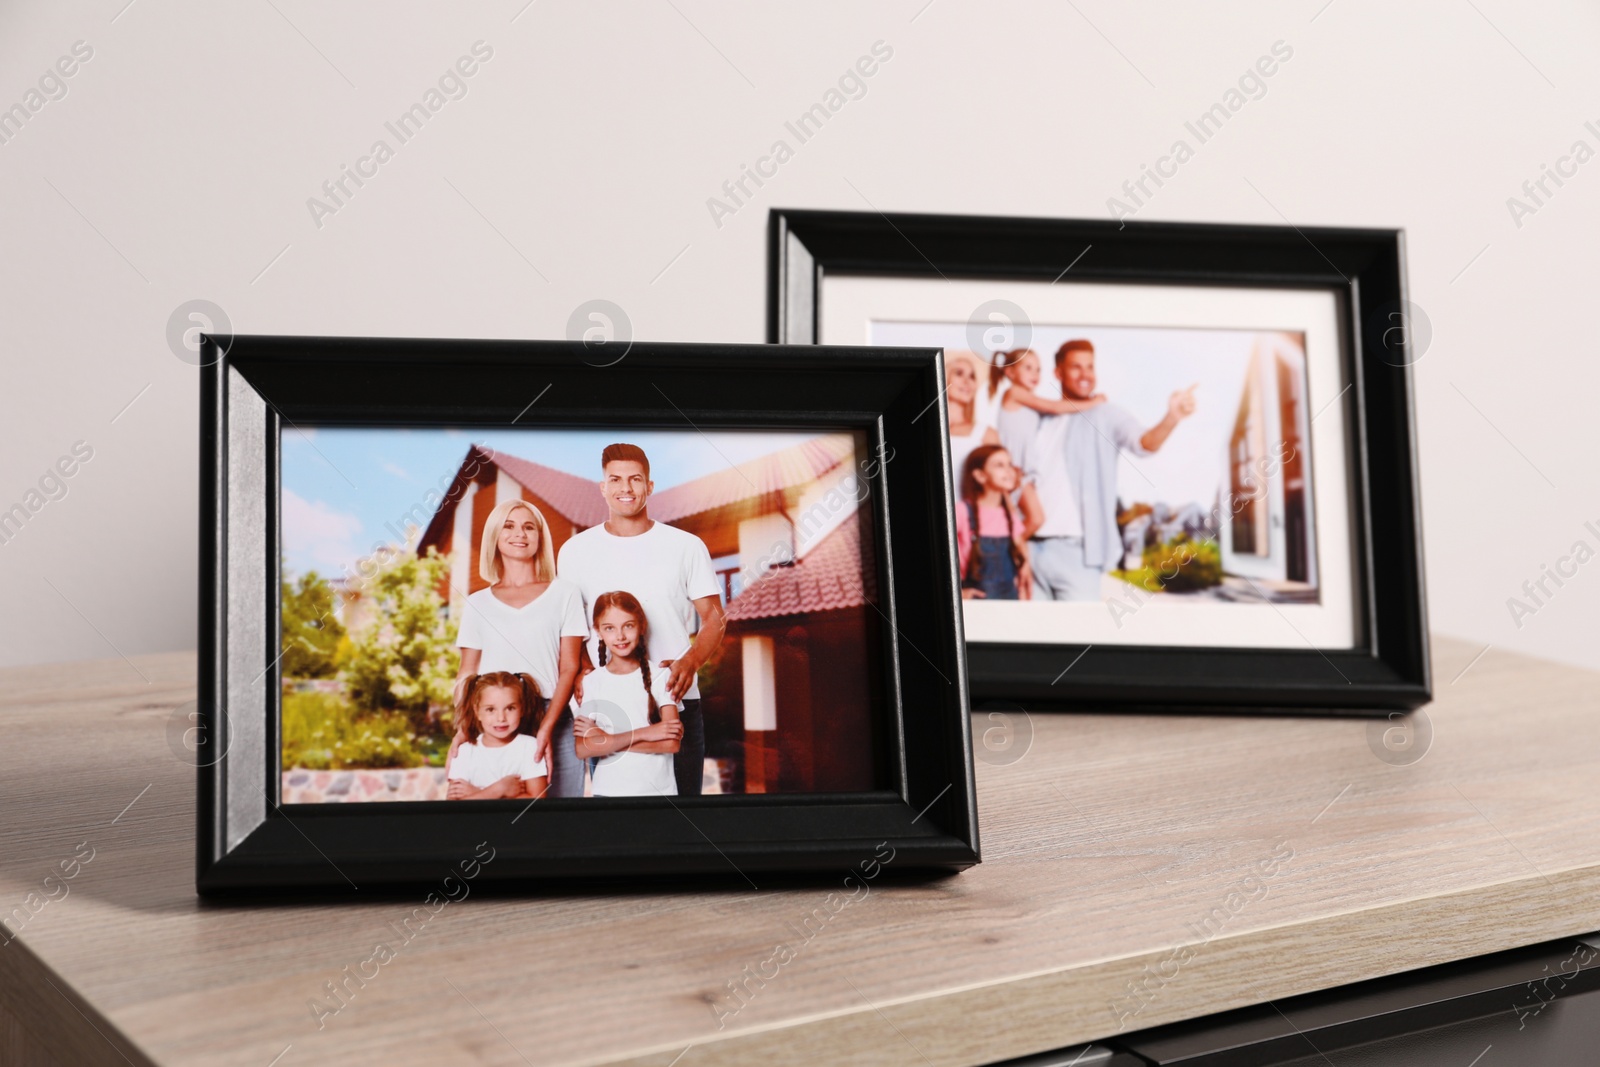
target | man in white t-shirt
x=669, y=571
x=1072, y=463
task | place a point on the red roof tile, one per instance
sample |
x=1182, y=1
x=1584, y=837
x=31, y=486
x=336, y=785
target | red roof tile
x=827, y=578
x=576, y=498
x=580, y=501
x=784, y=469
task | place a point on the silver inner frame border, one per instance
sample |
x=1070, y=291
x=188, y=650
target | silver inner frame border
x=245, y=791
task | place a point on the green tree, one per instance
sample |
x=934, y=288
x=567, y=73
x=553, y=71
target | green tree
x=406, y=659
x=311, y=633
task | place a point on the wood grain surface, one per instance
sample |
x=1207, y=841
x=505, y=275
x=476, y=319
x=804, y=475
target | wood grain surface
x=1137, y=870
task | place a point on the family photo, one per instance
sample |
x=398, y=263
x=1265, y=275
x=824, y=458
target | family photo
x=526, y=614
x=1106, y=464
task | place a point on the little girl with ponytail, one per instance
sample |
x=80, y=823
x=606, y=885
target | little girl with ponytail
x=628, y=719
x=500, y=712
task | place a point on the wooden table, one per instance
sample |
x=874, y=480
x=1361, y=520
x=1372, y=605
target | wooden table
x=1121, y=887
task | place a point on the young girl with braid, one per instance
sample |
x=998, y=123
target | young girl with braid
x=989, y=533
x=628, y=718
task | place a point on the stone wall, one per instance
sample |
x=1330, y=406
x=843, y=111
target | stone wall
x=348, y=787
x=301, y=786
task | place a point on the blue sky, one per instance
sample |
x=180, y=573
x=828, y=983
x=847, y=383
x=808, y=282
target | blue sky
x=342, y=486
x=1138, y=369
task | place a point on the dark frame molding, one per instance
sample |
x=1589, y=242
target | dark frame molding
x=252, y=387
x=1390, y=670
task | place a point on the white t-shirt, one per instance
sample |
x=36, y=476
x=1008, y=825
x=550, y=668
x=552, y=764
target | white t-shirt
x=986, y=408
x=664, y=567
x=1018, y=428
x=617, y=703
x=960, y=448
x=526, y=639
x=480, y=765
x=1048, y=470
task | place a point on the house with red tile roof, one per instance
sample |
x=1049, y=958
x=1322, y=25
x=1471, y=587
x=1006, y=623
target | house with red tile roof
x=806, y=632
x=790, y=689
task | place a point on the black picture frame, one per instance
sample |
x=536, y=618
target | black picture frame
x=924, y=816
x=1389, y=671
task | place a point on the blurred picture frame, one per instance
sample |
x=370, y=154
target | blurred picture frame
x=1242, y=531
x=276, y=410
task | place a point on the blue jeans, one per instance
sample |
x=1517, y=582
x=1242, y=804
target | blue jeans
x=1059, y=572
x=991, y=570
x=689, y=765
x=566, y=769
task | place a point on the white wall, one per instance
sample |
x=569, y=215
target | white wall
x=825, y=504
x=764, y=541
x=578, y=166
x=463, y=564
x=760, y=682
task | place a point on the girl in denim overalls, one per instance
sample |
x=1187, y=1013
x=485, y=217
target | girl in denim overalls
x=994, y=557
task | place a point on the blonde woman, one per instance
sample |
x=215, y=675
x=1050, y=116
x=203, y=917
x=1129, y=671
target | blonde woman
x=527, y=621
x=962, y=373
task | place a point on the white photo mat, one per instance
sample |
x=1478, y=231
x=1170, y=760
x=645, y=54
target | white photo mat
x=851, y=305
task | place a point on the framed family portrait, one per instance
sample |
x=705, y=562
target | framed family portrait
x=1183, y=455
x=564, y=610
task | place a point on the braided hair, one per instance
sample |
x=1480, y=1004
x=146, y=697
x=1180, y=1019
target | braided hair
x=971, y=490
x=624, y=601
x=528, y=698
